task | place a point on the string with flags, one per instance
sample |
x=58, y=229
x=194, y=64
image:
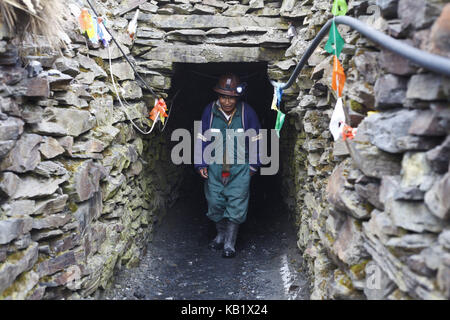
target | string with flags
x=335, y=45
x=95, y=30
x=277, y=95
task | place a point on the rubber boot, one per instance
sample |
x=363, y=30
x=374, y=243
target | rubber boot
x=230, y=240
x=217, y=242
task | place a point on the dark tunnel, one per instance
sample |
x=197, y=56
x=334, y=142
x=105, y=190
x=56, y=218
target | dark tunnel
x=179, y=263
x=192, y=88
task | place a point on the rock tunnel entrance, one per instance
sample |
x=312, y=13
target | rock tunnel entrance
x=178, y=264
x=192, y=86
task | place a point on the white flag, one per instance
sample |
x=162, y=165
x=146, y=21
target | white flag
x=337, y=120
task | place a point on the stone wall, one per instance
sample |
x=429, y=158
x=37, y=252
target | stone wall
x=80, y=187
x=373, y=218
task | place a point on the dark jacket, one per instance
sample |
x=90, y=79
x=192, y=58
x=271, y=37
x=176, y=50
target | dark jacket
x=249, y=121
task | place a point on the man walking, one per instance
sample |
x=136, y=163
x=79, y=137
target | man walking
x=227, y=182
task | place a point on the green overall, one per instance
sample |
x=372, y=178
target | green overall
x=228, y=201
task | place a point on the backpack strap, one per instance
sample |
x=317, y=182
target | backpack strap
x=211, y=116
x=243, y=115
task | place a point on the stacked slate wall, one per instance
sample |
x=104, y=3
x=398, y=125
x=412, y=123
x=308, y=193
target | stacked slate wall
x=82, y=198
x=373, y=217
x=80, y=187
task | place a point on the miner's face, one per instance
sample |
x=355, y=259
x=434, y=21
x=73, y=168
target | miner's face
x=228, y=103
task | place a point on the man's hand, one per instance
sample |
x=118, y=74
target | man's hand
x=204, y=172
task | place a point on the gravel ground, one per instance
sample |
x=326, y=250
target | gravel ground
x=178, y=265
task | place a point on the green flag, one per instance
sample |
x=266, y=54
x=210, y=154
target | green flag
x=335, y=43
x=339, y=8
x=280, y=121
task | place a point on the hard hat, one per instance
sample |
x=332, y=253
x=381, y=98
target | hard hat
x=229, y=85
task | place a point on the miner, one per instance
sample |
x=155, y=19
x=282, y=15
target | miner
x=227, y=182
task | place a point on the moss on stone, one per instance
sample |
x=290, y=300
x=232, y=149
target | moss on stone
x=16, y=256
x=344, y=280
x=360, y=269
x=357, y=107
x=330, y=238
x=72, y=207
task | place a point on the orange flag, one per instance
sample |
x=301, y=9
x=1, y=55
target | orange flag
x=338, y=77
x=160, y=106
x=348, y=132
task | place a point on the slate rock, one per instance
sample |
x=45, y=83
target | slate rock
x=131, y=90
x=18, y=208
x=31, y=187
x=12, y=228
x=37, y=88
x=50, y=148
x=439, y=156
x=50, y=168
x=395, y=64
x=415, y=170
x=390, y=91
x=389, y=131
x=90, y=64
x=11, y=128
x=49, y=206
x=388, y=8
x=435, y=122
x=417, y=14
x=85, y=181
x=51, y=221
x=68, y=66
x=372, y=161
x=378, y=285
x=56, y=79
x=11, y=269
x=443, y=280
x=440, y=34
x=366, y=63
x=123, y=71
x=444, y=239
x=371, y=192
x=173, y=22
x=412, y=242
x=66, y=143
x=437, y=199
x=236, y=10
x=87, y=211
x=55, y=264
x=380, y=224
x=413, y=216
x=24, y=156
x=428, y=87
x=9, y=183
x=64, y=121
x=349, y=243
x=343, y=199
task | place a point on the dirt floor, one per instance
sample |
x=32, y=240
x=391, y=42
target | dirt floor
x=178, y=264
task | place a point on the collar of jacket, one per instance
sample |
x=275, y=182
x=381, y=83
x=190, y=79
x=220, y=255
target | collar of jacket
x=217, y=112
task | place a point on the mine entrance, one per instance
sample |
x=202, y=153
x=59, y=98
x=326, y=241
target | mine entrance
x=192, y=87
x=178, y=263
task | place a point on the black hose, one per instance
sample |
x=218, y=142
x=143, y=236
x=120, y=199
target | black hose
x=429, y=61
